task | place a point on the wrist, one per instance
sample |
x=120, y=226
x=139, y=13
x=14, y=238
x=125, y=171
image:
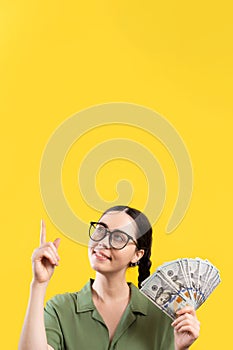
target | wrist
x=38, y=285
x=37, y=294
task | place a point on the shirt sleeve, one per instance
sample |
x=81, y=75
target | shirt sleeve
x=52, y=327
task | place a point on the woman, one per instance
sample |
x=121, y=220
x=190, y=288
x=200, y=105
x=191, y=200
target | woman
x=108, y=313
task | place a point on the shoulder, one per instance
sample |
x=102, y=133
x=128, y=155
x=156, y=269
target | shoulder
x=62, y=302
x=63, y=299
x=69, y=300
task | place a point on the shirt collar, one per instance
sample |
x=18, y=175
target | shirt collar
x=138, y=303
x=84, y=298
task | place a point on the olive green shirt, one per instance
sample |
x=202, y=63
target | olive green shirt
x=72, y=322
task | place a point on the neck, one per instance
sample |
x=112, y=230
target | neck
x=110, y=287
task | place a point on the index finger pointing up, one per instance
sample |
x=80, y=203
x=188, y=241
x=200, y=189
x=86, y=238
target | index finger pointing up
x=42, y=232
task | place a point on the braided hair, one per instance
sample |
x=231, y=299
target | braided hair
x=143, y=236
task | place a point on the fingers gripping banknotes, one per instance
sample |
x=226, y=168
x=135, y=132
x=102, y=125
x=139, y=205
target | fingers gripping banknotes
x=180, y=283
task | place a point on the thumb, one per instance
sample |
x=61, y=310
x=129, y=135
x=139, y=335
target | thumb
x=57, y=242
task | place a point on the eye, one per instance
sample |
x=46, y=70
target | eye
x=100, y=228
x=119, y=237
x=97, y=231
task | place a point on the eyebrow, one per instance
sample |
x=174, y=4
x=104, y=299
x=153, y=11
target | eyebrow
x=103, y=223
x=116, y=229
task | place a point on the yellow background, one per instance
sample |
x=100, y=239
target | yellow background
x=60, y=57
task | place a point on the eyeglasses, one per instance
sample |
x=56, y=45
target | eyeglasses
x=117, y=239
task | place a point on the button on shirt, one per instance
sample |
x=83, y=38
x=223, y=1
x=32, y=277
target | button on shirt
x=72, y=322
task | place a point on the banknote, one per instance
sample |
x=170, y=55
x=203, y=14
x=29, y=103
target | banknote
x=173, y=273
x=191, y=272
x=179, y=283
x=165, y=296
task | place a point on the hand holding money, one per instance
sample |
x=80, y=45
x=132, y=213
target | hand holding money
x=179, y=288
x=186, y=328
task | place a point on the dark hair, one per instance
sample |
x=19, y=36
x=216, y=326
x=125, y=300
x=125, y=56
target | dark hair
x=143, y=236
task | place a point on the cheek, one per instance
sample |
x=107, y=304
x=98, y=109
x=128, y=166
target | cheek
x=125, y=255
x=89, y=252
x=91, y=244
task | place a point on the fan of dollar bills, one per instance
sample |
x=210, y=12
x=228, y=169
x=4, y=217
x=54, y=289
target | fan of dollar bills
x=180, y=283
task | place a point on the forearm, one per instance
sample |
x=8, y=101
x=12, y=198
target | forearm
x=33, y=334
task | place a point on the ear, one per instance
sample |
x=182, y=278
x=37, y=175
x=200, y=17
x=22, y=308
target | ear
x=137, y=256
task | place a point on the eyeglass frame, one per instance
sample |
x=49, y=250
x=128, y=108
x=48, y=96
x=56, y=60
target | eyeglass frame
x=110, y=235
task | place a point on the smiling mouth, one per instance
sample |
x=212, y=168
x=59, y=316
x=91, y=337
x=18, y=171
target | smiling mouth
x=100, y=255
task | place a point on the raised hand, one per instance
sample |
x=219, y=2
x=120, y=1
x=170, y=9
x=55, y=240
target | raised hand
x=45, y=258
x=186, y=328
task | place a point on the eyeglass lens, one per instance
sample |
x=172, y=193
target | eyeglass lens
x=117, y=239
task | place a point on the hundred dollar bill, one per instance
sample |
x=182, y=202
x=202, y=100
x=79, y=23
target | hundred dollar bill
x=173, y=272
x=163, y=295
x=193, y=269
x=212, y=281
x=190, y=282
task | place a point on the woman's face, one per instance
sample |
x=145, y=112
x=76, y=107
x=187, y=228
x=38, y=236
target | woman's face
x=105, y=259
